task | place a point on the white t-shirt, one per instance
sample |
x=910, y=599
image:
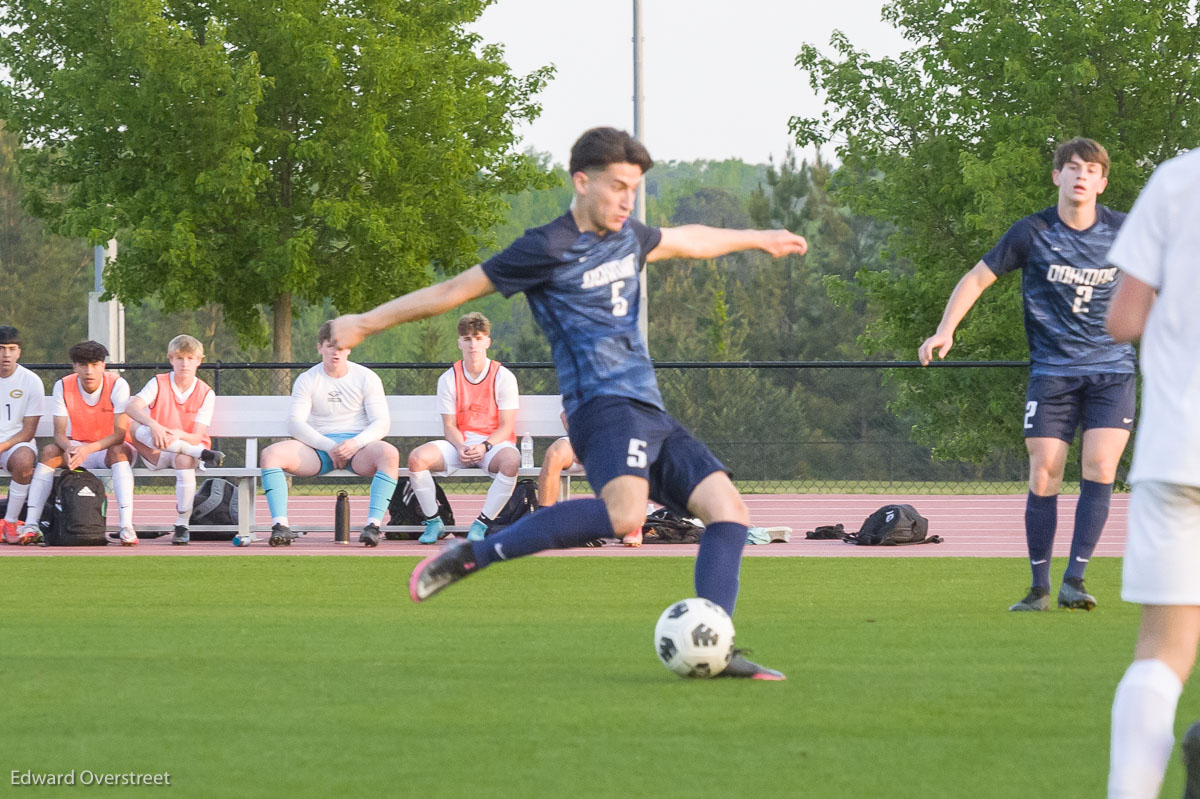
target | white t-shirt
x=204, y=416
x=20, y=397
x=354, y=403
x=507, y=397
x=1159, y=244
x=119, y=396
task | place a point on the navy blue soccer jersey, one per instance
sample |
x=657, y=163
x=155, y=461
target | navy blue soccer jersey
x=1067, y=284
x=584, y=292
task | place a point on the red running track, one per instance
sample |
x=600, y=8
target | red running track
x=973, y=526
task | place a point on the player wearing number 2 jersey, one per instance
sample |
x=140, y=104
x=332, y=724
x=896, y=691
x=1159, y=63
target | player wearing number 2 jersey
x=580, y=274
x=1078, y=376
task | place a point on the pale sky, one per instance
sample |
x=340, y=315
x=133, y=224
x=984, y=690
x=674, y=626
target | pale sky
x=718, y=75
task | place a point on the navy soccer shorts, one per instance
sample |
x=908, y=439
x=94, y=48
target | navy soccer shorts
x=1056, y=406
x=613, y=436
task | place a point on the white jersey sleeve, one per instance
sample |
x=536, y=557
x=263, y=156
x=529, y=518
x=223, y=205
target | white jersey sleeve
x=379, y=418
x=59, y=402
x=298, y=419
x=507, y=396
x=149, y=392
x=205, y=414
x=120, y=395
x=447, y=393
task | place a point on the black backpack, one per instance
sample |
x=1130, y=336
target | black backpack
x=665, y=527
x=403, y=509
x=74, y=512
x=216, y=502
x=524, y=500
x=4, y=509
x=893, y=525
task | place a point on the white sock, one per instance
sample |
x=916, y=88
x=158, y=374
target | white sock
x=122, y=480
x=180, y=446
x=280, y=520
x=185, y=495
x=425, y=491
x=39, y=491
x=184, y=448
x=1143, y=720
x=498, y=493
x=16, y=498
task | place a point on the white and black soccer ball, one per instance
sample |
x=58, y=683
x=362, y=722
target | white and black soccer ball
x=694, y=638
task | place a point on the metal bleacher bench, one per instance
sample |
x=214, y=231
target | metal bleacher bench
x=250, y=418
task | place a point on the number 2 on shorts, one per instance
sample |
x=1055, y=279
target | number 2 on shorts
x=1030, y=410
x=637, y=453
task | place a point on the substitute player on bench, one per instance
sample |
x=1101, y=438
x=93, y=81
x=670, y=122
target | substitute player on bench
x=580, y=274
x=170, y=418
x=478, y=401
x=338, y=418
x=20, y=409
x=1078, y=376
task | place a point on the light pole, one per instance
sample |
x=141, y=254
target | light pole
x=106, y=320
x=639, y=133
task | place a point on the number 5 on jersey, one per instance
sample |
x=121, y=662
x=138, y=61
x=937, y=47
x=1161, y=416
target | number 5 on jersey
x=637, y=454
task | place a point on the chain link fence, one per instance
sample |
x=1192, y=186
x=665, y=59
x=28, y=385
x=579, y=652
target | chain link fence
x=813, y=428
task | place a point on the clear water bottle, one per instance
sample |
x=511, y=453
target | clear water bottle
x=527, y=451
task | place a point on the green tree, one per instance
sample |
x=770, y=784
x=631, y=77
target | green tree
x=257, y=155
x=950, y=143
x=46, y=278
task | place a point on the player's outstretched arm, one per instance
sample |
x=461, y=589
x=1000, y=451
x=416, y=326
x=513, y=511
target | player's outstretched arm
x=701, y=241
x=969, y=287
x=348, y=331
x=1129, y=308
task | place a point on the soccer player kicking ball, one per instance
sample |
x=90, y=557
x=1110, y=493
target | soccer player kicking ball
x=1158, y=294
x=579, y=274
x=1078, y=375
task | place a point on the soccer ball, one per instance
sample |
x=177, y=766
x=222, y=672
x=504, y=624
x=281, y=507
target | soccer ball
x=694, y=638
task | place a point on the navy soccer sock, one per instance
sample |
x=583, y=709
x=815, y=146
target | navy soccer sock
x=718, y=563
x=562, y=525
x=1090, y=515
x=1041, y=517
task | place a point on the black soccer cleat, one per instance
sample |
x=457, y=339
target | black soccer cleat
x=370, y=535
x=1037, y=599
x=282, y=536
x=1073, y=596
x=182, y=536
x=1191, y=762
x=739, y=666
x=212, y=457
x=454, y=562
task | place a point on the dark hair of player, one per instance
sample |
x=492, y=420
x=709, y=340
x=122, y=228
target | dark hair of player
x=1089, y=150
x=599, y=147
x=88, y=352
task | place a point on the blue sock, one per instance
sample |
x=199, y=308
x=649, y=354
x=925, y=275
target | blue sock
x=562, y=525
x=718, y=563
x=1041, y=517
x=382, y=488
x=1090, y=515
x=275, y=487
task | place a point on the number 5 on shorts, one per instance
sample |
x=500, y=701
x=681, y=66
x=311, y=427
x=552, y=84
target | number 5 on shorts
x=637, y=454
x=1030, y=410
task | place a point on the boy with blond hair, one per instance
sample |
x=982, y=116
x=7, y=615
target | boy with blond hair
x=171, y=416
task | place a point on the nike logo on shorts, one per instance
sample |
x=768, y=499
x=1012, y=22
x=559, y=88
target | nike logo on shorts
x=1126, y=421
x=499, y=551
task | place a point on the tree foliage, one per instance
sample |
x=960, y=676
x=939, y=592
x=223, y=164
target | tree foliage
x=951, y=142
x=255, y=155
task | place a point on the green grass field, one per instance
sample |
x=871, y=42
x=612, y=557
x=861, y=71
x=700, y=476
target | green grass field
x=314, y=676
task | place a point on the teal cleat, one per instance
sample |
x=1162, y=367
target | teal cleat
x=478, y=530
x=435, y=528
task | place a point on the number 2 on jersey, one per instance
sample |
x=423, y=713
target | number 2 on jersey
x=1083, y=295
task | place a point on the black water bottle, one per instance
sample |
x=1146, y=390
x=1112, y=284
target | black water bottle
x=341, y=519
